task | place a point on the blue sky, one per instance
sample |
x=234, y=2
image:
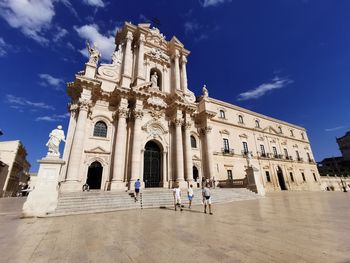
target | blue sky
x=288, y=59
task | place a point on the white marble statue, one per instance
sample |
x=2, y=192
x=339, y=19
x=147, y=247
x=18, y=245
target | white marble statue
x=117, y=56
x=53, y=144
x=205, y=91
x=94, y=54
x=154, y=80
x=249, y=159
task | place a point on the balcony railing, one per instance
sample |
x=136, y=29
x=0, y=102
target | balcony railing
x=264, y=155
x=227, y=151
x=245, y=153
x=299, y=159
x=311, y=160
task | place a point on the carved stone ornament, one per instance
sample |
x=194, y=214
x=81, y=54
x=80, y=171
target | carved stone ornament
x=158, y=55
x=260, y=138
x=206, y=130
x=178, y=122
x=156, y=101
x=138, y=114
x=123, y=112
x=284, y=143
x=154, y=127
x=243, y=135
x=156, y=114
x=295, y=145
x=84, y=105
x=187, y=125
x=112, y=71
x=129, y=37
x=205, y=92
x=225, y=132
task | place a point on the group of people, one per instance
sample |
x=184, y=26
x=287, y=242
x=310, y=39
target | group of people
x=206, y=195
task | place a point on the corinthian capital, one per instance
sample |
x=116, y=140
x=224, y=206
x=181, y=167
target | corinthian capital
x=142, y=39
x=206, y=130
x=184, y=60
x=178, y=122
x=123, y=113
x=187, y=125
x=129, y=36
x=84, y=105
x=138, y=114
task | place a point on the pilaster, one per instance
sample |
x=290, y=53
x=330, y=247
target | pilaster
x=126, y=77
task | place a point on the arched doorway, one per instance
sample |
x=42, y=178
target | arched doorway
x=94, y=176
x=195, y=173
x=281, y=181
x=152, y=165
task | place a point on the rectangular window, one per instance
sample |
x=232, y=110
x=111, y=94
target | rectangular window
x=268, y=176
x=226, y=145
x=262, y=148
x=314, y=177
x=245, y=147
x=240, y=118
x=229, y=174
x=291, y=176
x=274, y=149
x=222, y=114
x=286, y=153
x=303, y=175
x=297, y=153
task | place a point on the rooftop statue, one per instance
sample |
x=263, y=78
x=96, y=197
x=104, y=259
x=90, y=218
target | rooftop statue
x=94, y=54
x=205, y=91
x=53, y=144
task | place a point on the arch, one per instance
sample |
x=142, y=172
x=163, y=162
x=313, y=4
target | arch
x=240, y=119
x=152, y=160
x=159, y=75
x=193, y=142
x=94, y=176
x=100, y=129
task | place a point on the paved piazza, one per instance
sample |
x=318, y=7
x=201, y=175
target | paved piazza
x=283, y=227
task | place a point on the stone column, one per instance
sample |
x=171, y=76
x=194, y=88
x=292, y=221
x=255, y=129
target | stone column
x=165, y=169
x=177, y=70
x=209, y=152
x=183, y=73
x=179, y=153
x=140, y=68
x=120, y=150
x=188, y=151
x=126, y=78
x=136, y=146
x=73, y=173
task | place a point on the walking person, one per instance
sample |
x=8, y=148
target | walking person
x=177, y=197
x=137, y=189
x=207, y=198
x=190, y=195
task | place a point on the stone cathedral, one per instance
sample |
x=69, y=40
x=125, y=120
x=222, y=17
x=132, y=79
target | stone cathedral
x=137, y=119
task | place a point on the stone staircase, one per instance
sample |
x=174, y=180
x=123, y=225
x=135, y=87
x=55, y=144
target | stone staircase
x=107, y=201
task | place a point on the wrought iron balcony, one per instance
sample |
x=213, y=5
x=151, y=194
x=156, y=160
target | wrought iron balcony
x=245, y=153
x=263, y=155
x=311, y=160
x=227, y=151
x=299, y=159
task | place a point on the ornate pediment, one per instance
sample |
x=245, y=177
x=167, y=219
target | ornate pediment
x=156, y=38
x=270, y=129
x=156, y=102
x=97, y=150
x=158, y=55
x=243, y=135
x=225, y=132
x=155, y=127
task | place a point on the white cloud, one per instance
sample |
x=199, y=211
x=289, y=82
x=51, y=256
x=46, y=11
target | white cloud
x=105, y=44
x=277, y=83
x=61, y=32
x=20, y=103
x=3, y=47
x=96, y=3
x=48, y=80
x=206, y=3
x=53, y=118
x=201, y=37
x=335, y=128
x=32, y=17
x=191, y=26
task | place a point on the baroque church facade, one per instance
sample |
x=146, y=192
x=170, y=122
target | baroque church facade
x=136, y=119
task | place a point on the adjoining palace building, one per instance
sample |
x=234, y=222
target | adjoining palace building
x=137, y=119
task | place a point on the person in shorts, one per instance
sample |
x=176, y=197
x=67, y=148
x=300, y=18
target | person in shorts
x=207, y=198
x=190, y=195
x=137, y=189
x=177, y=197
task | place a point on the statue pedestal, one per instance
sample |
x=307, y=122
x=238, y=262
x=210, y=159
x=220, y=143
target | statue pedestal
x=90, y=70
x=44, y=197
x=255, y=181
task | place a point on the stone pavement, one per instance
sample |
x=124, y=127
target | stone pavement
x=283, y=227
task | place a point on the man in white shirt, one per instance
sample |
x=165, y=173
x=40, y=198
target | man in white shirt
x=177, y=197
x=190, y=195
